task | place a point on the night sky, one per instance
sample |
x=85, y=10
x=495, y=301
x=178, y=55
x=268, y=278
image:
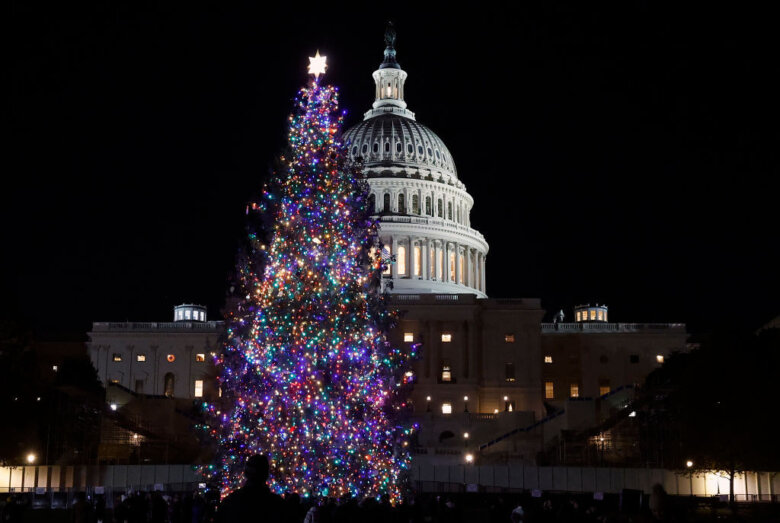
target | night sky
x=623, y=154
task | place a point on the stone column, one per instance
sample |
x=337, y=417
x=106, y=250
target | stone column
x=394, y=252
x=482, y=268
x=458, y=268
x=424, y=253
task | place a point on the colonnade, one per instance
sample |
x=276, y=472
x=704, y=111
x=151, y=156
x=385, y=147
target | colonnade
x=436, y=260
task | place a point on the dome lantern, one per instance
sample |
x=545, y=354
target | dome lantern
x=389, y=80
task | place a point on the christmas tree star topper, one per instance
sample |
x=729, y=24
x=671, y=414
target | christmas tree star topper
x=317, y=64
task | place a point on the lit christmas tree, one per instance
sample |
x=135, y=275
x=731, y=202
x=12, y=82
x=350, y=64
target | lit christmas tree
x=307, y=376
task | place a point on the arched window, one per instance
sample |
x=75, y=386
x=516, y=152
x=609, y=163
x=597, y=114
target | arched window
x=430, y=152
x=386, y=202
x=409, y=148
x=438, y=157
x=168, y=384
x=449, y=210
x=372, y=202
x=398, y=147
x=440, y=208
x=417, y=261
x=415, y=204
x=376, y=147
x=419, y=149
x=402, y=203
x=354, y=151
x=387, y=147
x=364, y=149
x=428, y=209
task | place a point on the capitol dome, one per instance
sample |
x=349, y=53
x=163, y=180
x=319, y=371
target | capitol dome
x=422, y=206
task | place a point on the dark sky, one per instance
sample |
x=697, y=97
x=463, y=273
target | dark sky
x=624, y=154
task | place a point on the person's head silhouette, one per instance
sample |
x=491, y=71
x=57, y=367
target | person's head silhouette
x=256, y=468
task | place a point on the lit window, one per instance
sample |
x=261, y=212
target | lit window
x=417, y=260
x=659, y=358
x=592, y=315
x=446, y=373
x=116, y=381
x=401, y=260
x=202, y=316
x=548, y=359
x=601, y=315
x=140, y=357
x=171, y=358
x=446, y=338
x=446, y=408
x=187, y=314
x=509, y=372
x=577, y=315
x=462, y=270
x=200, y=357
x=198, y=388
x=605, y=316
x=117, y=357
x=452, y=266
x=574, y=390
x=509, y=338
x=408, y=337
x=604, y=387
x=549, y=390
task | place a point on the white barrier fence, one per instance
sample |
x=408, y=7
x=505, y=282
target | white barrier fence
x=759, y=485
x=755, y=485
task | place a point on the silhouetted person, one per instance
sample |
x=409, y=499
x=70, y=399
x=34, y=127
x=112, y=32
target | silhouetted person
x=254, y=502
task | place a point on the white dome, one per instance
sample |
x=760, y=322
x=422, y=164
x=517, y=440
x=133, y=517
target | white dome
x=394, y=140
x=422, y=206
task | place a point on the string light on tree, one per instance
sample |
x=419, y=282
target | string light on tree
x=307, y=374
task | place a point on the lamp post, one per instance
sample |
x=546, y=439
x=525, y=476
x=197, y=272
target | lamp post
x=428, y=402
x=465, y=439
x=465, y=403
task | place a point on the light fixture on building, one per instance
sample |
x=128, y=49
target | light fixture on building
x=495, y=411
x=632, y=414
x=469, y=458
x=689, y=463
x=465, y=403
x=428, y=402
x=465, y=435
x=31, y=457
x=506, y=398
x=659, y=358
x=446, y=408
x=54, y=368
x=113, y=406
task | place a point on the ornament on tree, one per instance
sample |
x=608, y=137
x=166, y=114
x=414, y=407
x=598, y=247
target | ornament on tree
x=307, y=375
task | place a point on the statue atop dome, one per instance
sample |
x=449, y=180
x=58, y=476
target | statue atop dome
x=389, y=62
x=390, y=35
